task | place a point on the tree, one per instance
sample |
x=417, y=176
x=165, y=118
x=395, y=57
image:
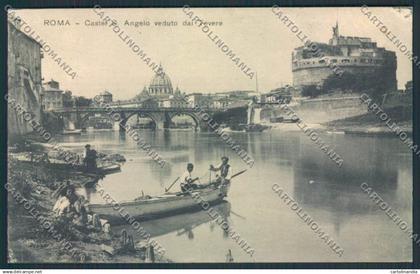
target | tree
x=311, y=91
x=81, y=101
x=372, y=83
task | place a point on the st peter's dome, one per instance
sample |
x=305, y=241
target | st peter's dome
x=160, y=84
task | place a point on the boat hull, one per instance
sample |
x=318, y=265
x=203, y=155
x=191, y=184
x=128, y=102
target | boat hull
x=61, y=165
x=72, y=132
x=160, y=206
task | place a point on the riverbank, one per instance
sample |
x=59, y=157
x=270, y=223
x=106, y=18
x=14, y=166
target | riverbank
x=30, y=240
x=371, y=124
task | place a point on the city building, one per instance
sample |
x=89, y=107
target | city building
x=24, y=79
x=199, y=99
x=279, y=95
x=222, y=102
x=238, y=94
x=105, y=96
x=149, y=103
x=52, y=96
x=173, y=102
x=312, y=65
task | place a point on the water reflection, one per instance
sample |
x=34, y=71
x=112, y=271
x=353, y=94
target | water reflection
x=330, y=194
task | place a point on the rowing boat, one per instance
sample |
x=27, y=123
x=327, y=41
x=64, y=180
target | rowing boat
x=160, y=206
x=103, y=168
x=180, y=223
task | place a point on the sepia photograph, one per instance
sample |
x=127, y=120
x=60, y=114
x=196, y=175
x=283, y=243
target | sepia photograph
x=210, y=135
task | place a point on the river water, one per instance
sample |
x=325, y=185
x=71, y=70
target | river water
x=330, y=194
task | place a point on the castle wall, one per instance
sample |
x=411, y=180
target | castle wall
x=314, y=75
x=326, y=109
x=24, y=80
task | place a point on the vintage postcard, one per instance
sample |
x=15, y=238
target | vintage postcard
x=210, y=135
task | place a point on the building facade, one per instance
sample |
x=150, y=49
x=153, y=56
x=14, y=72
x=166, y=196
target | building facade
x=24, y=78
x=200, y=99
x=52, y=96
x=105, y=96
x=281, y=95
x=349, y=54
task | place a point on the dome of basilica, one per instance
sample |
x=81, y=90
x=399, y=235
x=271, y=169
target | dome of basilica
x=161, y=84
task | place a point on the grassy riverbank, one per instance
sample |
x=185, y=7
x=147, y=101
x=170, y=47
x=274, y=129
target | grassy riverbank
x=30, y=242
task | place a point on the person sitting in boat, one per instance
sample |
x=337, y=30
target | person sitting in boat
x=187, y=182
x=89, y=159
x=225, y=170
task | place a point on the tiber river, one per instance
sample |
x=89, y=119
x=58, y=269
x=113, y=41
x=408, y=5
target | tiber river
x=331, y=195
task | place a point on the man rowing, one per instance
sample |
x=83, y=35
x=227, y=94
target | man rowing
x=225, y=170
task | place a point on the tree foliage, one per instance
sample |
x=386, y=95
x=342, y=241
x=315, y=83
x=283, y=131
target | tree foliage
x=372, y=83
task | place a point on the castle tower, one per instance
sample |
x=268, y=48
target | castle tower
x=351, y=54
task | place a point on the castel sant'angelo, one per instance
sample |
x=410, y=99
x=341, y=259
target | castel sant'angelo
x=351, y=54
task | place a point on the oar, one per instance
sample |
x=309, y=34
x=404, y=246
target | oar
x=167, y=189
x=236, y=214
x=239, y=173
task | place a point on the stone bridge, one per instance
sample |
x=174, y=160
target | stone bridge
x=161, y=116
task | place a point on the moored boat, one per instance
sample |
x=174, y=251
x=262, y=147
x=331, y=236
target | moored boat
x=102, y=167
x=159, y=206
x=256, y=128
x=71, y=132
x=249, y=127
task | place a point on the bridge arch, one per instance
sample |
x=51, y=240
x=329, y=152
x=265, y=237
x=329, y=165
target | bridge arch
x=85, y=118
x=156, y=118
x=186, y=113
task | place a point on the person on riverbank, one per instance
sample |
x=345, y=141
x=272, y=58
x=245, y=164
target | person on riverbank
x=65, y=202
x=187, y=182
x=89, y=159
x=225, y=170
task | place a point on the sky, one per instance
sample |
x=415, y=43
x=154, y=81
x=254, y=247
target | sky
x=102, y=61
